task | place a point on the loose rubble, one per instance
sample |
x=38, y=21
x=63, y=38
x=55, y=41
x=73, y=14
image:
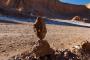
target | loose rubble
x=40, y=52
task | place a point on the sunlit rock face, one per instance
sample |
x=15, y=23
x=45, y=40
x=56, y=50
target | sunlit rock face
x=88, y=6
x=43, y=7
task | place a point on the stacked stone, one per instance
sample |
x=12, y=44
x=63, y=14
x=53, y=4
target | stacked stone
x=40, y=28
x=42, y=47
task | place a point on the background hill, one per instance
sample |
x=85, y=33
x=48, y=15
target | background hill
x=48, y=8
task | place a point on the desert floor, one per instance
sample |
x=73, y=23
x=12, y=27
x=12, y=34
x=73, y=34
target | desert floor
x=17, y=38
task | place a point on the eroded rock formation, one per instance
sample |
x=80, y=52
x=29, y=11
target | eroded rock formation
x=43, y=7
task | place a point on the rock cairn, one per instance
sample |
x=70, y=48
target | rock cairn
x=42, y=47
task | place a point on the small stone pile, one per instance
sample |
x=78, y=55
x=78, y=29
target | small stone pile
x=58, y=55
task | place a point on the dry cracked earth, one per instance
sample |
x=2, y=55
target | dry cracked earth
x=17, y=38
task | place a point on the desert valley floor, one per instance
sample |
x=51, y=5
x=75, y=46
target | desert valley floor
x=17, y=38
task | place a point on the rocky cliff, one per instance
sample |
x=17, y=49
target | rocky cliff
x=42, y=8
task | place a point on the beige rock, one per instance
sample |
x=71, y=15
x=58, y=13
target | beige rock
x=76, y=18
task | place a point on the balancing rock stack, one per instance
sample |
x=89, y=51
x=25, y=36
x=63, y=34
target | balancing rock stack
x=42, y=47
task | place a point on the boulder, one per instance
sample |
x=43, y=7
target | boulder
x=42, y=48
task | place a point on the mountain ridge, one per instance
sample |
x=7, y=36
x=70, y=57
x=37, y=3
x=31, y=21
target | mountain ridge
x=48, y=8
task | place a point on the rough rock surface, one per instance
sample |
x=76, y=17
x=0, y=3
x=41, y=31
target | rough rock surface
x=86, y=47
x=42, y=48
x=40, y=28
x=59, y=55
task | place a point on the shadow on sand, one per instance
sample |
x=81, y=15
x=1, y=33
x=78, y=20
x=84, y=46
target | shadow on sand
x=53, y=22
x=15, y=20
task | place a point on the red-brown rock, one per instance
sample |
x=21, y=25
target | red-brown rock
x=43, y=7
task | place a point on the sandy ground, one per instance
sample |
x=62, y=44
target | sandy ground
x=16, y=38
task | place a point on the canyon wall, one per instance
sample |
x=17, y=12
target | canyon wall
x=43, y=7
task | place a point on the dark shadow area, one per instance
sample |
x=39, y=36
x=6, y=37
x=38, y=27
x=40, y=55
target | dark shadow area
x=10, y=19
x=7, y=21
x=62, y=23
